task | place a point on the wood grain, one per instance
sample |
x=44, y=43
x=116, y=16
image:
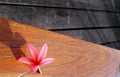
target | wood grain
x=74, y=57
x=53, y=18
x=108, y=37
x=96, y=26
x=103, y=5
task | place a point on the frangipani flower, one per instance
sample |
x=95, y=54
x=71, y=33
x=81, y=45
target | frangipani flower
x=37, y=58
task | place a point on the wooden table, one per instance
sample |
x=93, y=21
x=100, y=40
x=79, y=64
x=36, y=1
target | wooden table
x=74, y=57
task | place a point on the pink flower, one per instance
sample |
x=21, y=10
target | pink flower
x=38, y=58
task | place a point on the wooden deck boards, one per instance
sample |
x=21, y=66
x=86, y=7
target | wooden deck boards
x=74, y=57
x=78, y=18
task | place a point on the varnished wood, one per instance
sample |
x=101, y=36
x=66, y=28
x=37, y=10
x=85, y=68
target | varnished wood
x=74, y=57
x=101, y=27
x=94, y=26
x=108, y=37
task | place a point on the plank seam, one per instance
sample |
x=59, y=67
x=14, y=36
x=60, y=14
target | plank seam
x=57, y=7
x=85, y=28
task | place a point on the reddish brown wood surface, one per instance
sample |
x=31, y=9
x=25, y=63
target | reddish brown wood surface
x=74, y=57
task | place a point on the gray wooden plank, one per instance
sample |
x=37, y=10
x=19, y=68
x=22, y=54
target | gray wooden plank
x=96, y=35
x=51, y=18
x=109, y=5
x=108, y=37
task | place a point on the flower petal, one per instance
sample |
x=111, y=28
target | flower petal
x=47, y=61
x=43, y=52
x=25, y=60
x=34, y=68
x=33, y=51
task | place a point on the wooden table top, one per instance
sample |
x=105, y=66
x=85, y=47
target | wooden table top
x=74, y=57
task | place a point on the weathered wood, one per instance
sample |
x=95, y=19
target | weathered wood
x=51, y=18
x=105, y=5
x=74, y=57
x=109, y=37
x=67, y=21
x=96, y=35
